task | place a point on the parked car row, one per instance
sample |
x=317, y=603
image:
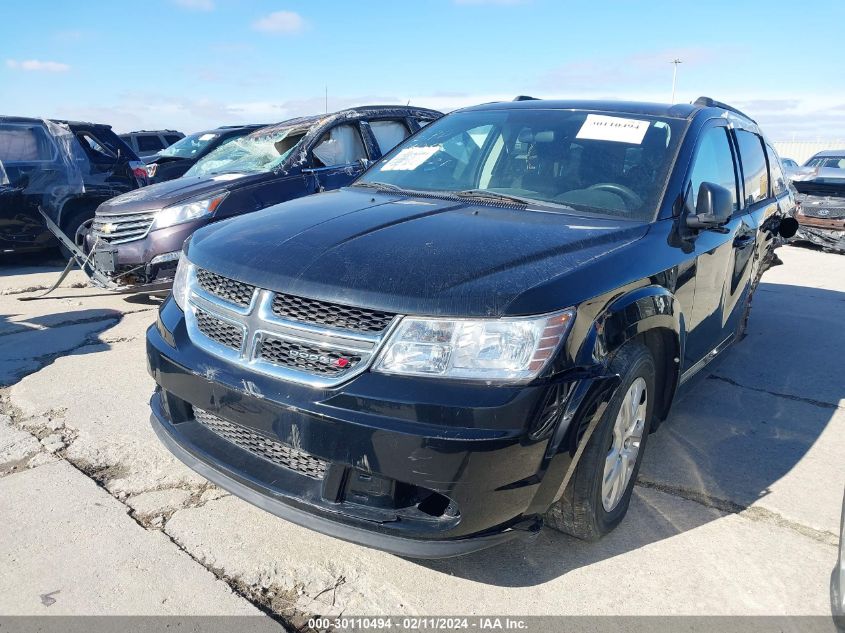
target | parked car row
x=138, y=236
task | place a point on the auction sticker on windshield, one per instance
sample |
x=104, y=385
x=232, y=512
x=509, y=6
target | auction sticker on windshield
x=598, y=127
x=410, y=158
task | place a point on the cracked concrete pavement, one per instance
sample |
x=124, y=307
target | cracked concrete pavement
x=736, y=511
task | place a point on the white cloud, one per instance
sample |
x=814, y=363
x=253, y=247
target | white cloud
x=37, y=66
x=196, y=5
x=285, y=22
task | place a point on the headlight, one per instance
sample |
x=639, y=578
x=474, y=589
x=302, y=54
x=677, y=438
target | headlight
x=511, y=349
x=188, y=211
x=180, y=282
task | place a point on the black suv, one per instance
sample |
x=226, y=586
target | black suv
x=149, y=142
x=137, y=238
x=67, y=168
x=175, y=160
x=481, y=332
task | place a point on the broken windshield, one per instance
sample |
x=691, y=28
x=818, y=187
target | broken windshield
x=253, y=154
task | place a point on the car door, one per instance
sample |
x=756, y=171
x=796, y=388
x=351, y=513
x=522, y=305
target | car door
x=759, y=205
x=721, y=254
x=338, y=157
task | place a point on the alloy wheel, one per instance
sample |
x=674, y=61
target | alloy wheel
x=625, y=444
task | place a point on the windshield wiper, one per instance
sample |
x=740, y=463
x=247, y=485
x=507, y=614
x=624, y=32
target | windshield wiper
x=486, y=194
x=380, y=186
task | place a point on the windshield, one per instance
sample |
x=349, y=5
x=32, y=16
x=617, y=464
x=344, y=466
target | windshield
x=251, y=154
x=190, y=146
x=605, y=163
x=827, y=162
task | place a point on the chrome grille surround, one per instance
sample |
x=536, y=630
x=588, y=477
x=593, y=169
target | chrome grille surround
x=115, y=228
x=305, y=353
x=272, y=450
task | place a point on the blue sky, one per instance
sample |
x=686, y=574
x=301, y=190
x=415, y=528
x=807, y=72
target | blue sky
x=191, y=64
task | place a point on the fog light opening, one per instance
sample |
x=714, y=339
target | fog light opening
x=437, y=505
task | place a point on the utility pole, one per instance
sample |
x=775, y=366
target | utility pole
x=675, y=62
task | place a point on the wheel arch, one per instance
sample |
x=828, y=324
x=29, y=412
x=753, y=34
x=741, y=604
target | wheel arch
x=75, y=204
x=653, y=315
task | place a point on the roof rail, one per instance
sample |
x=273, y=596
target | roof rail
x=707, y=102
x=525, y=98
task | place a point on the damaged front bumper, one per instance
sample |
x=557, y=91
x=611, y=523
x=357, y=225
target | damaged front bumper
x=821, y=219
x=382, y=461
x=148, y=263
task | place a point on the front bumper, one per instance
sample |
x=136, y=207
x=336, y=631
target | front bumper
x=391, y=444
x=138, y=262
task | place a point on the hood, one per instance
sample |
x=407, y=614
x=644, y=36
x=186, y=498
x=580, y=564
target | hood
x=409, y=255
x=164, y=194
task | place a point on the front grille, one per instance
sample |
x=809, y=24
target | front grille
x=313, y=360
x=331, y=314
x=823, y=213
x=263, y=331
x=272, y=450
x=118, y=229
x=219, y=330
x=229, y=290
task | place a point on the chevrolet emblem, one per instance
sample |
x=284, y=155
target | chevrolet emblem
x=108, y=228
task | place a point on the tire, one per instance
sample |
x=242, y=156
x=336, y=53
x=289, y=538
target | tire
x=587, y=509
x=76, y=227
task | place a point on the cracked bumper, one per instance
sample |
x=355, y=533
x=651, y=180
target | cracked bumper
x=265, y=499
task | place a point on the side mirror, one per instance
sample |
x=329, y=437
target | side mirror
x=713, y=208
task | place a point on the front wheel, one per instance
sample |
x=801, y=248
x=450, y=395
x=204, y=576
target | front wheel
x=597, y=497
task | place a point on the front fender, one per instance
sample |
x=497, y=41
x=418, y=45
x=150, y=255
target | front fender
x=628, y=316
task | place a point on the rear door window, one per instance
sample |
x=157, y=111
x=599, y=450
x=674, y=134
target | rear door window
x=713, y=163
x=779, y=181
x=149, y=143
x=755, y=173
x=389, y=134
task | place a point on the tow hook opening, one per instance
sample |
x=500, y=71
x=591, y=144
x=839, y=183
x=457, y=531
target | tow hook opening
x=370, y=490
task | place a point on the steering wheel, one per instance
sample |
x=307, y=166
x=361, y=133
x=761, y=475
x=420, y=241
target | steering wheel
x=631, y=199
